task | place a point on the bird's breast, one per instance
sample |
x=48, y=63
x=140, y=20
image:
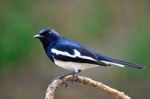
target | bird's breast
x=74, y=65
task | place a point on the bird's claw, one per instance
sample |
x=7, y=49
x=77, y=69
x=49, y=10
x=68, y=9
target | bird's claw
x=66, y=85
x=73, y=77
x=62, y=78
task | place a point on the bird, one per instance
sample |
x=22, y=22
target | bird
x=71, y=55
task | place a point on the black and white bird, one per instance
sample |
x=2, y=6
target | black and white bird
x=71, y=55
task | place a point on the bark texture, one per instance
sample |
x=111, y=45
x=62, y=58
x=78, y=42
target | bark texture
x=50, y=93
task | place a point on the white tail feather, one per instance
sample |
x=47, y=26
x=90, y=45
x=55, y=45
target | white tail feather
x=111, y=63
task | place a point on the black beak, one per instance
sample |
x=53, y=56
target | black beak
x=37, y=36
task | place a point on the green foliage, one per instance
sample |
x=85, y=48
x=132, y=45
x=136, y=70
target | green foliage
x=15, y=42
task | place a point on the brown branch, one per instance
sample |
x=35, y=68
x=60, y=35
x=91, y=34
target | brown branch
x=86, y=81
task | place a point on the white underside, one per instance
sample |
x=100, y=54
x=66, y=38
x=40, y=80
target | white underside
x=74, y=66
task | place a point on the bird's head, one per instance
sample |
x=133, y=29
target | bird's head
x=47, y=34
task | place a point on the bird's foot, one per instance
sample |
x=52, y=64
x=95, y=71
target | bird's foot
x=62, y=78
x=74, y=77
x=65, y=82
x=71, y=73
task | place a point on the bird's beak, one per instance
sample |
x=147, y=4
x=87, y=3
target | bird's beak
x=37, y=36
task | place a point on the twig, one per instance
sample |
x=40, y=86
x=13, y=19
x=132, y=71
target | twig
x=86, y=81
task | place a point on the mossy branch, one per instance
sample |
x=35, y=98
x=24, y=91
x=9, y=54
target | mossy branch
x=50, y=93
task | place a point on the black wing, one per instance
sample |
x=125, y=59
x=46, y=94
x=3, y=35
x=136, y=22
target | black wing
x=66, y=52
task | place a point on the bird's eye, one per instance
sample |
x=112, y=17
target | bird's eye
x=46, y=34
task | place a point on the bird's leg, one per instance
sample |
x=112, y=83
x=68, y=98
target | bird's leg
x=75, y=72
x=71, y=73
x=61, y=77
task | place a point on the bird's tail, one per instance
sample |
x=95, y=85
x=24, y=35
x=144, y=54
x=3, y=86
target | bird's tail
x=111, y=61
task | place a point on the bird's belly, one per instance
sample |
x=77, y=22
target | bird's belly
x=74, y=65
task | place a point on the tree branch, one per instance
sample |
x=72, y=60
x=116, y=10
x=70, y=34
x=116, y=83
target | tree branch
x=50, y=93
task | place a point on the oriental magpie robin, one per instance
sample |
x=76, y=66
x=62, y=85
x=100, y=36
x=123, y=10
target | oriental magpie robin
x=71, y=55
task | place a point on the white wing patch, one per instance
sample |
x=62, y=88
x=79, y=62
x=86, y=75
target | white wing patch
x=111, y=63
x=76, y=54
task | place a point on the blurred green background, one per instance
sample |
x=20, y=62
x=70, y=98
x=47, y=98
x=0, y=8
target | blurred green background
x=117, y=28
